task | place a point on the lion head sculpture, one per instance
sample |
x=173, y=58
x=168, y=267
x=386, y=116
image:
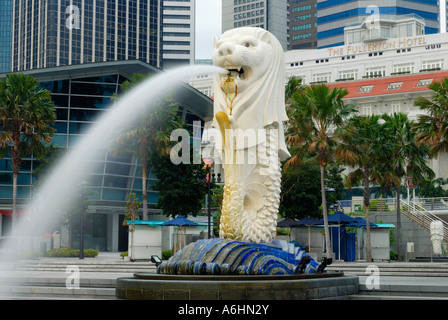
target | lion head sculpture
x=254, y=59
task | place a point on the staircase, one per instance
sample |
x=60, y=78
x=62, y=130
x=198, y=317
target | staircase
x=402, y=291
x=45, y=279
x=398, y=280
x=418, y=214
x=393, y=269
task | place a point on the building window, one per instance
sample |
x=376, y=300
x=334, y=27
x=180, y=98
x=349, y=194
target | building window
x=403, y=68
x=365, y=89
x=432, y=65
x=367, y=110
x=395, y=108
x=424, y=83
x=394, y=86
x=348, y=75
x=375, y=72
x=322, y=77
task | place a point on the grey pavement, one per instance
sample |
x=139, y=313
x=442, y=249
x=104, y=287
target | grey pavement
x=108, y=266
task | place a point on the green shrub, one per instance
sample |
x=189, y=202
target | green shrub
x=166, y=254
x=123, y=254
x=393, y=255
x=65, y=252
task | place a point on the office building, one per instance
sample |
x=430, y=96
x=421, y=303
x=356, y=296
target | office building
x=302, y=24
x=55, y=33
x=272, y=15
x=5, y=35
x=178, y=33
x=334, y=16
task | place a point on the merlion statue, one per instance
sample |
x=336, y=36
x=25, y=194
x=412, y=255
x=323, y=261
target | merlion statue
x=249, y=111
x=436, y=230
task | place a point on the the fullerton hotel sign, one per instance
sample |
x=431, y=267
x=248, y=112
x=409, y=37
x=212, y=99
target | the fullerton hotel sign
x=371, y=47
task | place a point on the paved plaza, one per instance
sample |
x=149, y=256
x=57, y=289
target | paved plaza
x=46, y=278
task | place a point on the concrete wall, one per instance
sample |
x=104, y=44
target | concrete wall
x=410, y=232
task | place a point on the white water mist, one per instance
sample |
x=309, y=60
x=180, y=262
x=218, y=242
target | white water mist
x=65, y=179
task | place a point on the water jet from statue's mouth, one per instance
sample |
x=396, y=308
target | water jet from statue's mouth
x=236, y=72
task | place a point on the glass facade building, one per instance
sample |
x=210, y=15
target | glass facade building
x=50, y=33
x=81, y=94
x=5, y=35
x=334, y=15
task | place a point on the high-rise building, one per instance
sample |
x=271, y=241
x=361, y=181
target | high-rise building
x=66, y=32
x=333, y=16
x=178, y=32
x=5, y=35
x=303, y=24
x=272, y=15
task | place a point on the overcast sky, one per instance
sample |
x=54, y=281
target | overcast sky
x=208, y=25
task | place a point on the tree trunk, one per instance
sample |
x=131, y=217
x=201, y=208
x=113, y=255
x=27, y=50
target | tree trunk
x=398, y=225
x=366, y=206
x=325, y=214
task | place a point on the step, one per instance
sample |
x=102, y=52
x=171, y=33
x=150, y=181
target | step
x=51, y=292
x=395, y=269
x=394, y=297
x=114, y=270
x=54, y=281
x=406, y=290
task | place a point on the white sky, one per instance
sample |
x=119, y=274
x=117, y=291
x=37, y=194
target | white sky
x=208, y=25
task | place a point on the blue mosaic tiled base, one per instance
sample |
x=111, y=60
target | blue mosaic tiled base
x=228, y=257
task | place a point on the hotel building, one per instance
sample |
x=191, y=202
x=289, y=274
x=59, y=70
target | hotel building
x=383, y=72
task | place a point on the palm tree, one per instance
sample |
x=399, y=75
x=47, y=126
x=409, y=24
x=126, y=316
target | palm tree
x=314, y=115
x=362, y=145
x=26, y=114
x=151, y=134
x=294, y=84
x=432, y=128
x=406, y=160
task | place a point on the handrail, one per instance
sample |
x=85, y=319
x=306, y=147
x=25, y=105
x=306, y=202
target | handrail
x=423, y=217
x=414, y=210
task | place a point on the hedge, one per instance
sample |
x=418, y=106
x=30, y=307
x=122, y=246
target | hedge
x=65, y=252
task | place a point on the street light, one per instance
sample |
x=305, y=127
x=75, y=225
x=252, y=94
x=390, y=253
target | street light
x=210, y=180
x=155, y=259
x=81, y=236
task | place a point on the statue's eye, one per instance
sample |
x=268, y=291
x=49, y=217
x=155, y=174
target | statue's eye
x=248, y=44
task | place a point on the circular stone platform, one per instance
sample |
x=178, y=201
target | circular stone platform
x=147, y=286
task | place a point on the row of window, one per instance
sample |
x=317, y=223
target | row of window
x=427, y=65
x=395, y=86
x=248, y=7
x=372, y=72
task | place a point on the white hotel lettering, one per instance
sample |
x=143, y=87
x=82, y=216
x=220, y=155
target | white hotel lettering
x=385, y=45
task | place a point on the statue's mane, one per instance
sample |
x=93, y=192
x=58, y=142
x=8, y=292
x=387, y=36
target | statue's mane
x=262, y=104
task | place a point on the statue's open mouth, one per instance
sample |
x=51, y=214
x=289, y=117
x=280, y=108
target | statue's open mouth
x=236, y=72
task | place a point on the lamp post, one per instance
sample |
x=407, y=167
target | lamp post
x=81, y=227
x=211, y=179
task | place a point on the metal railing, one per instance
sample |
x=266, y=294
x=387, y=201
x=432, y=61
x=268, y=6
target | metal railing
x=417, y=211
x=431, y=204
x=421, y=216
